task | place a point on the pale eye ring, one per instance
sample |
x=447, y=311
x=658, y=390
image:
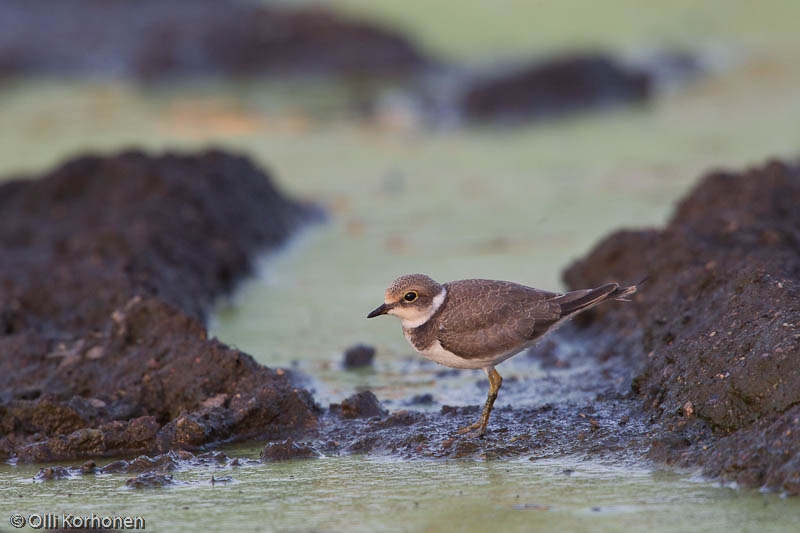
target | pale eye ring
x=410, y=296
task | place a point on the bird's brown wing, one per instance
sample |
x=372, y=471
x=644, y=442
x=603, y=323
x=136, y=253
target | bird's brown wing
x=484, y=317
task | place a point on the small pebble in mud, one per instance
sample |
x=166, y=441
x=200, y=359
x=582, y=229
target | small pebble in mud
x=361, y=405
x=358, y=356
x=421, y=399
x=53, y=472
x=88, y=467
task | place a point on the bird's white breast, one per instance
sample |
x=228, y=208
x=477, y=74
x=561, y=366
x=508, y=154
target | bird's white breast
x=436, y=353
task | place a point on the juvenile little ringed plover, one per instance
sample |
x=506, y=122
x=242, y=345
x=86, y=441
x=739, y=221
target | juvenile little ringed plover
x=479, y=323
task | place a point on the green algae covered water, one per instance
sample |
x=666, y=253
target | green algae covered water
x=514, y=204
x=362, y=494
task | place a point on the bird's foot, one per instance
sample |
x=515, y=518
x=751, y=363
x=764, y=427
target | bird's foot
x=480, y=425
x=467, y=429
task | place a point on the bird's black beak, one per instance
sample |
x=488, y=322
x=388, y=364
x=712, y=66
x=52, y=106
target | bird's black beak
x=380, y=310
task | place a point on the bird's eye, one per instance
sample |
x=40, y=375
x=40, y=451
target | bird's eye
x=410, y=296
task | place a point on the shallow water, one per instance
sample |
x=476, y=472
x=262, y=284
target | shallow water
x=364, y=494
x=515, y=204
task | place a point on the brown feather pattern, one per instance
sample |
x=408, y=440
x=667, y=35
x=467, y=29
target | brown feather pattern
x=486, y=317
x=481, y=318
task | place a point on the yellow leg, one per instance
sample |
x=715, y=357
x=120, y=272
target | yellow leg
x=495, y=381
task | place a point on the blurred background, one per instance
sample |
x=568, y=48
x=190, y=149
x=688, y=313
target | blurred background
x=466, y=139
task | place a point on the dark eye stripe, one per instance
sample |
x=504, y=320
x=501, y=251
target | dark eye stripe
x=410, y=296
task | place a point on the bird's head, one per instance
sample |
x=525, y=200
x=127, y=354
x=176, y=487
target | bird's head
x=414, y=298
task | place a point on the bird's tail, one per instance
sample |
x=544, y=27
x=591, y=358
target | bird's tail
x=575, y=301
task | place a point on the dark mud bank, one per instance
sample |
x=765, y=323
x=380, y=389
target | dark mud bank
x=714, y=335
x=167, y=38
x=108, y=268
x=556, y=87
x=545, y=88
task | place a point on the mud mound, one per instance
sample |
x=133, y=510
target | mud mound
x=108, y=267
x=156, y=38
x=554, y=88
x=716, y=331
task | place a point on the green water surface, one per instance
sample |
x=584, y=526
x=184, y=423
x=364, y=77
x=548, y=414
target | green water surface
x=363, y=494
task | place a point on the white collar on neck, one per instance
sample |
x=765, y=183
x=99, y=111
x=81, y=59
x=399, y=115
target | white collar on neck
x=438, y=300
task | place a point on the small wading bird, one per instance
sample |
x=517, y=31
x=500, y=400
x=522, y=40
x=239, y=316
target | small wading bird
x=479, y=323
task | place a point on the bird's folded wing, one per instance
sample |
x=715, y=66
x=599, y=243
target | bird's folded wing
x=484, y=318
